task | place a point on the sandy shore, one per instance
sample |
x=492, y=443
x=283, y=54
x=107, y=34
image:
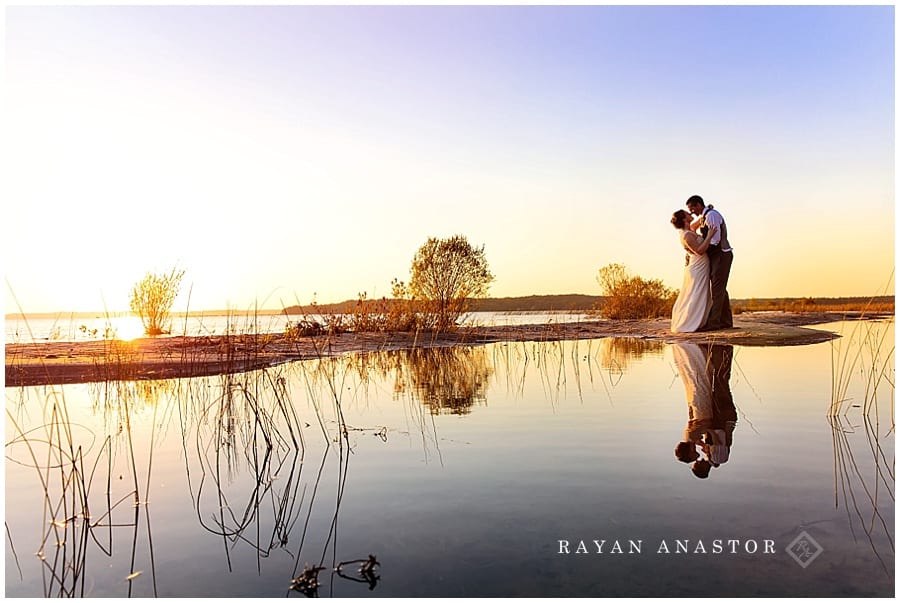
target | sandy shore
x=169, y=357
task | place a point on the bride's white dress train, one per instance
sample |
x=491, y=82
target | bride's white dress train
x=692, y=306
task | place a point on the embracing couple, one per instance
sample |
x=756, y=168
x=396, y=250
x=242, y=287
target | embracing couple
x=702, y=303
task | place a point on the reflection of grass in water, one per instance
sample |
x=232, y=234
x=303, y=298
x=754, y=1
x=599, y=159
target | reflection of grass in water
x=863, y=352
x=73, y=519
x=589, y=361
x=249, y=424
x=862, y=356
x=863, y=482
x=863, y=379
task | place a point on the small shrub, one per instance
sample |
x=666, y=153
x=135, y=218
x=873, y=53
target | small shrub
x=304, y=328
x=633, y=297
x=152, y=299
x=403, y=314
x=308, y=327
x=384, y=315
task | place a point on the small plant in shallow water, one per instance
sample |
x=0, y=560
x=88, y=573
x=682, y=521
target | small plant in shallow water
x=308, y=580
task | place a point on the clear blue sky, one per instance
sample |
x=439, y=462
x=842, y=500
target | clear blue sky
x=278, y=152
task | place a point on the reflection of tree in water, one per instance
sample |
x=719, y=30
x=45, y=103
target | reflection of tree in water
x=451, y=380
x=257, y=472
x=116, y=399
x=446, y=380
x=618, y=352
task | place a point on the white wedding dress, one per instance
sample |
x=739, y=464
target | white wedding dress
x=691, y=362
x=692, y=306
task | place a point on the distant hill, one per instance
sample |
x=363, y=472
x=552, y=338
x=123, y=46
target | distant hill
x=822, y=301
x=537, y=303
x=579, y=302
x=529, y=303
x=533, y=303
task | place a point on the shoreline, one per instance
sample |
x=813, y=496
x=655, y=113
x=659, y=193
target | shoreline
x=53, y=363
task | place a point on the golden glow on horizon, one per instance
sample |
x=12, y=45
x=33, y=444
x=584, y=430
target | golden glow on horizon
x=127, y=328
x=323, y=184
x=121, y=328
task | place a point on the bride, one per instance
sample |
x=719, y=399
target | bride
x=692, y=306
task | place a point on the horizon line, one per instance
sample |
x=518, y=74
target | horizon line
x=272, y=311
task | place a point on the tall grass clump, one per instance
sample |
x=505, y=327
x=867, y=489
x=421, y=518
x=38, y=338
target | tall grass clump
x=861, y=414
x=864, y=354
x=398, y=313
x=152, y=298
x=84, y=510
x=863, y=358
x=862, y=404
x=633, y=297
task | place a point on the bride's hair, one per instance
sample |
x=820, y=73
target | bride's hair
x=680, y=218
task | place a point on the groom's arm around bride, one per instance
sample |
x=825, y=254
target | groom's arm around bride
x=721, y=257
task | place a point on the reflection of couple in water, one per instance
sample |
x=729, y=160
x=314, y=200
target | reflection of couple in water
x=706, y=371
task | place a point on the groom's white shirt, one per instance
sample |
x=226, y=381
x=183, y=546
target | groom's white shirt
x=714, y=218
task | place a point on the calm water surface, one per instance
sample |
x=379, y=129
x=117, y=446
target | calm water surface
x=68, y=327
x=461, y=470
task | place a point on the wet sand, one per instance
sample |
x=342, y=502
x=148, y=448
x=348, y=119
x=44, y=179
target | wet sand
x=170, y=357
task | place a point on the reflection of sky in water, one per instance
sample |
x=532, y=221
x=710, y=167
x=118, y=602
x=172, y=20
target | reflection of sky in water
x=70, y=327
x=523, y=445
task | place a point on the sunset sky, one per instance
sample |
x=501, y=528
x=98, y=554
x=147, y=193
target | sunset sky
x=275, y=153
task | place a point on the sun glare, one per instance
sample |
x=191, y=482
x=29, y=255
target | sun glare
x=126, y=328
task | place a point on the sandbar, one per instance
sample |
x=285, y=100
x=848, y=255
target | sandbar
x=50, y=363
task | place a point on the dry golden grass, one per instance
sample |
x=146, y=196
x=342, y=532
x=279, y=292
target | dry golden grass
x=809, y=304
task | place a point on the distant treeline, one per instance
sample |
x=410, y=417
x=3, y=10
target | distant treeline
x=822, y=301
x=530, y=303
x=882, y=304
x=537, y=303
x=575, y=302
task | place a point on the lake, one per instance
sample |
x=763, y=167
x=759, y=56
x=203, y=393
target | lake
x=70, y=327
x=519, y=469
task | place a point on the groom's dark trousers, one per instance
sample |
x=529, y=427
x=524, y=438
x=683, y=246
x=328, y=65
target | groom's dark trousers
x=719, y=270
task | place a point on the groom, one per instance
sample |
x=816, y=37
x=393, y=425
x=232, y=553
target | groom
x=720, y=257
